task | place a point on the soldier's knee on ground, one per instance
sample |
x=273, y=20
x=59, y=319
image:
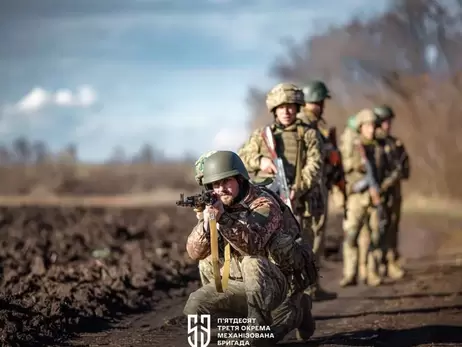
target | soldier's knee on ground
x=198, y=301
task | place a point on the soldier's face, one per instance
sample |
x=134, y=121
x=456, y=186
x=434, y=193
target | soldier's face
x=316, y=108
x=226, y=189
x=367, y=130
x=386, y=125
x=286, y=114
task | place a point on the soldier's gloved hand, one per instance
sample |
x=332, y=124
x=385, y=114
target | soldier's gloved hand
x=199, y=213
x=206, y=216
x=267, y=165
x=217, y=209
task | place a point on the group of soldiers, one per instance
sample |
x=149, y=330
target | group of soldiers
x=272, y=253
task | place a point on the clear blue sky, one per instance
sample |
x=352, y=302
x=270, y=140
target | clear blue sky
x=102, y=73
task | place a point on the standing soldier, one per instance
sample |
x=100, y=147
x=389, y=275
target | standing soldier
x=299, y=145
x=347, y=141
x=401, y=170
x=366, y=167
x=349, y=135
x=316, y=93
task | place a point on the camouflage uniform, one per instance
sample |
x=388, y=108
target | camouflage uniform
x=269, y=267
x=359, y=207
x=347, y=140
x=309, y=196
x=309, y=204
x=401, y=171
x=349, y=135
x=316, y=93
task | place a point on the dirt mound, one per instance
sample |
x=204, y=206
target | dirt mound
x=65, y=270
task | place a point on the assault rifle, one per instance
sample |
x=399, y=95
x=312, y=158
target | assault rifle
x=281, y=185
x=199, y=202
x=372, y=185
x=335, y=159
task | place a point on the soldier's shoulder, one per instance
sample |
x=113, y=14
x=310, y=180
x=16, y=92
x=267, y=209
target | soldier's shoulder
x=263, y=200
x=258, y=132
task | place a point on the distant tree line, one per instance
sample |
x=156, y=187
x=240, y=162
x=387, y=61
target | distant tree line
x=23, y=151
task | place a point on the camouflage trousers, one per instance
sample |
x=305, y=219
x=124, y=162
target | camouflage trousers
x=389, y=262
x=361, y=218
x=391, y=238
x=318, y=226
x=257, y=289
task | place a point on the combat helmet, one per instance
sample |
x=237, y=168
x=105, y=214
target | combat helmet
x=384, y=112
x=365, y=116
x=199, y=167
x=284, y=93
x=221, y=165
x=316, y=91
x=351, y=123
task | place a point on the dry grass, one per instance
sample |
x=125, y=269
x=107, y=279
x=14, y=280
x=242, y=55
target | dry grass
x=414, y=204
x=52, y=179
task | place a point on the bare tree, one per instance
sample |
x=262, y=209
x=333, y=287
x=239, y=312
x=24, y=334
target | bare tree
x=407, y=57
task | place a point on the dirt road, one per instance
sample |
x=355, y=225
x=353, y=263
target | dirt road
x=83, y=277
x=424, y=309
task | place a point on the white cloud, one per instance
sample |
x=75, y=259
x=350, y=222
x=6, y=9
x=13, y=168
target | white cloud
x=39, y=98
x=63, y=97
x=86, y=96
x=36, y=99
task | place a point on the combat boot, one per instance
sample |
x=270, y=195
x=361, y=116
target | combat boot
x=307, y=324
x=394, y=271
x=320, y=294
x=373, y=278
x=350, y=264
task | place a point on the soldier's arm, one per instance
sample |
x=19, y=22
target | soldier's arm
x=198, y=244
x=351, y=158
x=312, y=171
x=405, y=161
x=397, y=170
x=250, y=235
x=250, y=152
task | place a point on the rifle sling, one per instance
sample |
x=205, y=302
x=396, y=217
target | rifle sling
x=220, y=284
x=298, y=166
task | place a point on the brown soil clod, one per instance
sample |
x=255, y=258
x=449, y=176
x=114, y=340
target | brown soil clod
x=65, y=270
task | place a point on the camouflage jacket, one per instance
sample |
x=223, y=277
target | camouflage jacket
x=347, y=140
x=261, y=224
x=329, y=170
x=354, y=167
x=312, y=154
x=398, y=158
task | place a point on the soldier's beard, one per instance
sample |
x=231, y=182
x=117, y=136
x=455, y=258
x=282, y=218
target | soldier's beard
x=226, y=199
